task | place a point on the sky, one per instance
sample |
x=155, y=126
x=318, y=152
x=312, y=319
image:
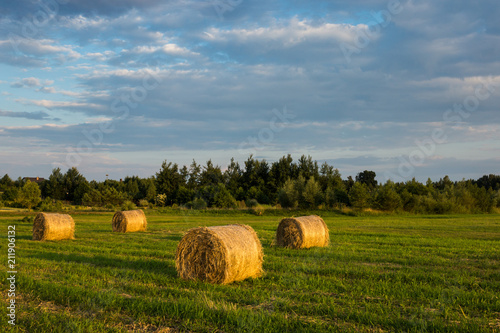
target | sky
x=403, y=88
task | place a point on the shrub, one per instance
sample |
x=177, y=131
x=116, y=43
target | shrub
x=161, y=200
x=109, y=206
x=197, y=203
x=143, y=203
x=128, y=205
x=250, y=203
x=258, y=210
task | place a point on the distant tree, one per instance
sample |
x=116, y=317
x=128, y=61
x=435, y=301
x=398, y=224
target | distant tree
x=232, y=177
x=349, y=183
x=489, y=181
x=168, y=180
x=6, y=183
x=29, y=195
x=211, y=174
x=194, y=176
x=53, y=187
x=443, y=183
x=300, y=186
x=112, y=196
x=307, y=167
x=250, y=175
x=185, y=195
x=368, y=178
x=10, y=194
x=387, y=198
x=312, y=193
x=280, y=172
x=75, y=185
x=359, y=195
x=330, y=177
x=132, y=188
x=288, y=196
x=223, y=198
x=148, y=189
x=93, y=198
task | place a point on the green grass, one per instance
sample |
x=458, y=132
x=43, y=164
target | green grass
x=380, y=274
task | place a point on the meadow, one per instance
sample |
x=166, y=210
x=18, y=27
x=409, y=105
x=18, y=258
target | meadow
x=381, y=273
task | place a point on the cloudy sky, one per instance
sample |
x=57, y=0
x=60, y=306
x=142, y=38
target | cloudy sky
x=404, y=88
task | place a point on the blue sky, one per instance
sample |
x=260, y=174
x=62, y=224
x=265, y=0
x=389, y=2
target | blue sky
x=403, y=88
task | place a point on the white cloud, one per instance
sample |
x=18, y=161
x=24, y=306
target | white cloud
x=286, y=34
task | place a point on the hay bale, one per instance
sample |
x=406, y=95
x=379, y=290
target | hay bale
x=221, y=254
x=50, y=226
x=129, y=221
x=302, y=232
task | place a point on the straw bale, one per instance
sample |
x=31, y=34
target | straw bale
x=129, y=221
x=220, y=254
x=302, y=232
x=50, y=226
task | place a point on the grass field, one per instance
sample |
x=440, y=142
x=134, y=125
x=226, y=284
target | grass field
x=380, y=274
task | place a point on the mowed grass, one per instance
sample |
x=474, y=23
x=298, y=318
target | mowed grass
x=380, y=274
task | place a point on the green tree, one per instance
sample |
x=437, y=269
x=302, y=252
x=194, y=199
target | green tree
x=6, y=182
x=232, y=177
x=54, y=186
x=75, y=185
x=211, y=174
x=168, y=180
x=223, y=198
x=92, y=198
x=194, y=176
x=368, y=178
x=288, y=196
x=307, y=167
x=312, y=193
x=359, y=195
x=387, y=198
x=29, y=195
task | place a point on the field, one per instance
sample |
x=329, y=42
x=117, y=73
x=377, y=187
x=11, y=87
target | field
x=380, y=274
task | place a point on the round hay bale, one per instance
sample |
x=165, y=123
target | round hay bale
x=50, y=226
x=302, y=232
x=221, y=254
x=129, y=221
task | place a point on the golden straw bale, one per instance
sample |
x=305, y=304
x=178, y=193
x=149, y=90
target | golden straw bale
x=302, y=232
x=129, y=221
x=50, y=226
x=220, y=254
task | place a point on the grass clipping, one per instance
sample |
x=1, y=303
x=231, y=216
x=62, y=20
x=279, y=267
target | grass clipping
x=302, y=232
x=129, y=221
x=50, y=226
x=221, y=254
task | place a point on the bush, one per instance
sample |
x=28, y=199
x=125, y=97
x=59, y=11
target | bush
x=251, y=203
x=258, y=210
x=109, y=206
x=161, y=200
x=197, y=203
x=143, y=203
x=46, y=206
x=128, y=205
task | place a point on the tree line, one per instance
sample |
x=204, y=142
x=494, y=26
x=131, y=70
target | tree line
x=301, y=184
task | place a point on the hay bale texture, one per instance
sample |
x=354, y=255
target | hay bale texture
x=302, y=232
x=221, y=254
x=129, y=221
x=50, y=226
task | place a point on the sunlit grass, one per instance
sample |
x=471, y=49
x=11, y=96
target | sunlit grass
x=380, y=273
